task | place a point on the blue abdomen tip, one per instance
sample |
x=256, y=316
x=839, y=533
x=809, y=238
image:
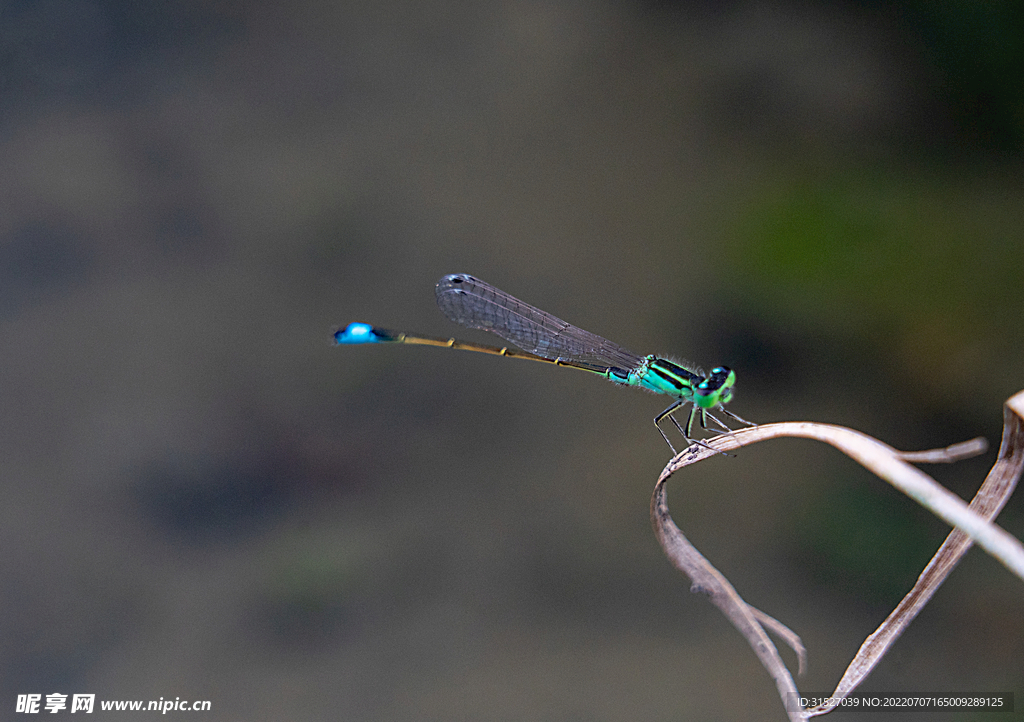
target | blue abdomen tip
x=356, y=333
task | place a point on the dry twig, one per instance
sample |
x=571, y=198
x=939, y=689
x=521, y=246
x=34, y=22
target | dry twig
x=972, y=524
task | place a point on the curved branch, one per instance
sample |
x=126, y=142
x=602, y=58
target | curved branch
x=971, y=524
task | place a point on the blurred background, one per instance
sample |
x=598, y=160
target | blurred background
x=203, y=498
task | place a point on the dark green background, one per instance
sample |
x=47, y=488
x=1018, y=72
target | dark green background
x=202, y=498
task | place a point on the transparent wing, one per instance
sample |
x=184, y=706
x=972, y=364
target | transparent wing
x=470, y=302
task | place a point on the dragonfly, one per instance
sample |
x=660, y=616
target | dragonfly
x=539, y=336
